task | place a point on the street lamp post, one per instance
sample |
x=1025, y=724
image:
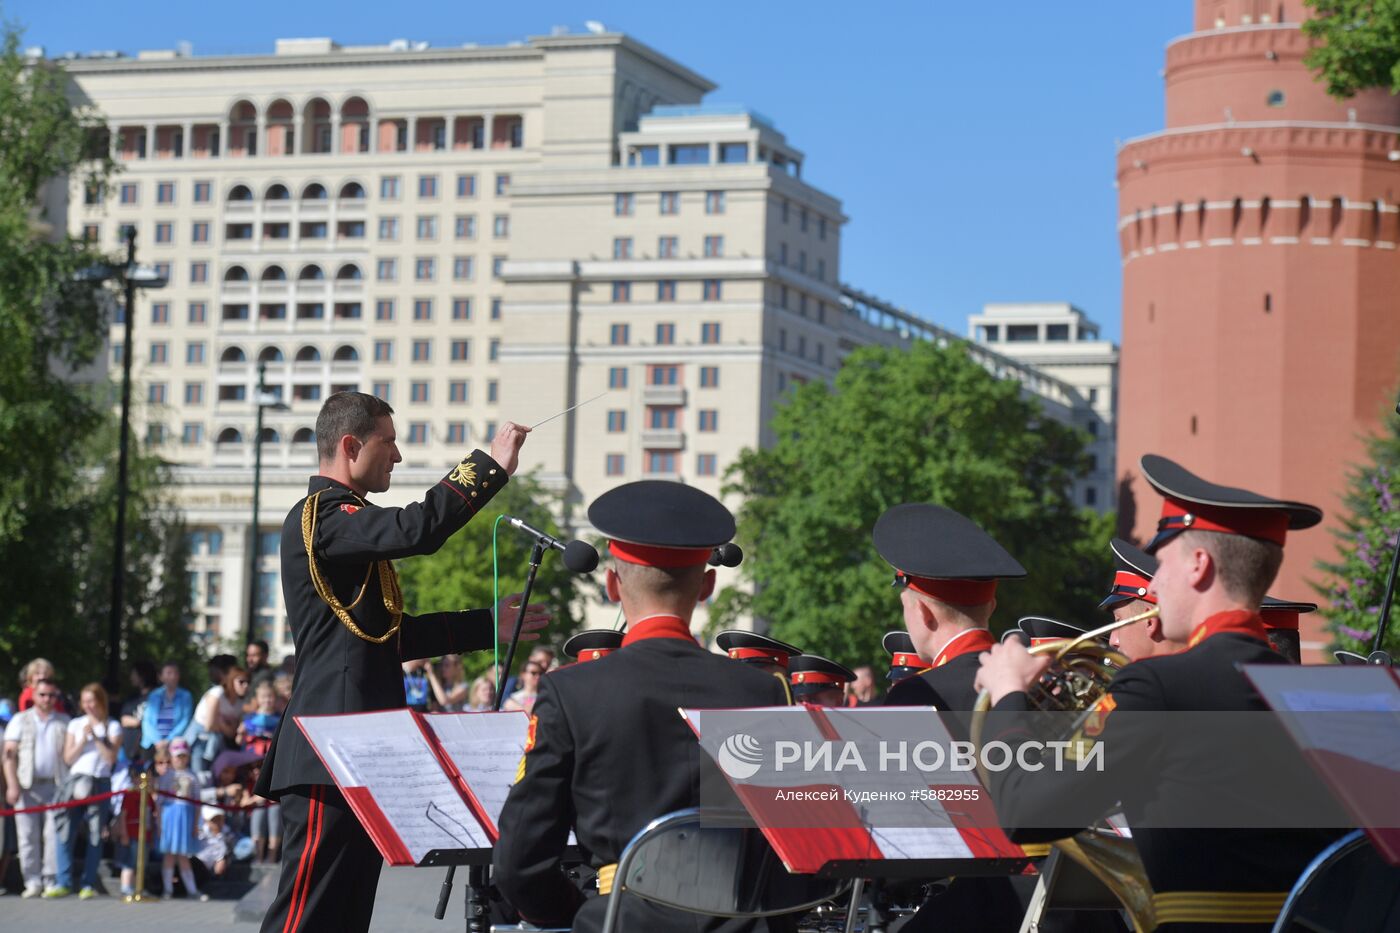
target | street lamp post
x=264, y=400
x=132, y=278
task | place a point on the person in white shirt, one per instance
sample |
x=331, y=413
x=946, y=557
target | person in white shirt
x=90, y=751
x=34, y=768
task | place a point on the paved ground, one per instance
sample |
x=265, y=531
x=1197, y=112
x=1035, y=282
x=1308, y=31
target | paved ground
x=405, y=902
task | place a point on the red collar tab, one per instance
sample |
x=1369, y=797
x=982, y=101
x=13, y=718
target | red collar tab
x=1230, y=622
x=593, y=654
x=901, y=659
x=954, y=592
x=973, y=640
x=1267, y=524
x=816, y=677
x=759, y=654
x=1132, y=585
x=658, y=627
x=1041, y=641
x=1280, y=618
x=650, y=556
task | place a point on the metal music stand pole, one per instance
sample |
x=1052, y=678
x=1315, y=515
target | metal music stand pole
x=478, y=906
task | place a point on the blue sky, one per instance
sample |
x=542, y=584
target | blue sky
x=972, y=144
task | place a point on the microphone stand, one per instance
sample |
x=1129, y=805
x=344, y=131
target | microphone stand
x=478, y=902
x=1378, y=655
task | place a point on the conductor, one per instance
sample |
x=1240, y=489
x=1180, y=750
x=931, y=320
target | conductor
x=351, y=632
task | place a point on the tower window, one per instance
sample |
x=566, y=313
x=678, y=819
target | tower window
x=1268, y=302
x=1276, y=99
x=1193, y=424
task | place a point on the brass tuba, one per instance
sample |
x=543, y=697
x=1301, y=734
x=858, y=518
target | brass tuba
x=1078, y=676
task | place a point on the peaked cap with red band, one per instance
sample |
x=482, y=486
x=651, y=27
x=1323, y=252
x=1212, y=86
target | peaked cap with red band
x=943, y=554
x=1133, y=577
x=1283, y=613
x=1195, y=504
x=904, y=657
x=592, y=644
x=811, y=674
x=658, y=523
x=1350, y=657
x=755, y=648
x=1040, y=629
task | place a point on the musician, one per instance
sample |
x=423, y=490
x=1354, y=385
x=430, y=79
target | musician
x=1218, y=549
x=351, y=635
x=947, y=570
x=1037, y=630
x=607, y=752
x=1281, y=625
x=1131, y=596
x=760, y=651
x=819, y=681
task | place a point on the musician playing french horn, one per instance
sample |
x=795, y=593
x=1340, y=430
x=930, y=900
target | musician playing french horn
x=1218, y=550
x=1130, y=598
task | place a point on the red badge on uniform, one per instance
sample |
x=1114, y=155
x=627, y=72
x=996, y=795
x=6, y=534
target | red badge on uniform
x=349, y=509
x=1099, y=714
x=530, y=734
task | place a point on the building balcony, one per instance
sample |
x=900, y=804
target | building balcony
x=663, y=395
x=663, y=439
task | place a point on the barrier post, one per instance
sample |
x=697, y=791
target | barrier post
x=139, y=894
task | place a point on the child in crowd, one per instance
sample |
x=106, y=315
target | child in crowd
x=179, y=823
x=126, y=829
x=266, y=821
x=258, y=727
x=215, y=842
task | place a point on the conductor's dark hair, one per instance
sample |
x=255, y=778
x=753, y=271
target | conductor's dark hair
x=352, y=413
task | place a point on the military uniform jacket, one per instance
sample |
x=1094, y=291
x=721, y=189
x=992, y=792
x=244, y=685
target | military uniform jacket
x=610, y=754
x=1201, y=678
x=945, y=688
x=338, y=671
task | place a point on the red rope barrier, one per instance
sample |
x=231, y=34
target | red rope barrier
x=96, y=798
x=206, y=803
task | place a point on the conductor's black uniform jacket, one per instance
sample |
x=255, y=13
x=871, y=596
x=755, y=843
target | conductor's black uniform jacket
x=337, y=670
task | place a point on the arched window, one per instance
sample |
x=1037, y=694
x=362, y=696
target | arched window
x=229, y=436
x=240, y=193
x=346, y=354
x=1304, y=213
x=304, y=436
x=270, y=436
x=235, y=274
x=308, y=354
x=233, y=355
x=270, y=355
x=314, y=192
x=311, y=273
x=1338, y=212
x=274, y=273
x=277, y=192
x=352, y=190
x=348, y=273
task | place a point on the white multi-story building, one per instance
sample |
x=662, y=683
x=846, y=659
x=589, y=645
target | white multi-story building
x=1057, y=339
x=474, y=234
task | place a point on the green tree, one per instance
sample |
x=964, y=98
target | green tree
x=459, y=576
x=57, y=436
x=927, y=424
x=1354, y=583
x=1360, y=44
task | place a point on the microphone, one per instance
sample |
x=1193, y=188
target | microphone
x=579, y=556
x=730, y=555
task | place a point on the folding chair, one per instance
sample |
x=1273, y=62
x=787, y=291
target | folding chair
x=1348, y=887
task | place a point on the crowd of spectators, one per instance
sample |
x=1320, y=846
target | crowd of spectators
x=200, y=752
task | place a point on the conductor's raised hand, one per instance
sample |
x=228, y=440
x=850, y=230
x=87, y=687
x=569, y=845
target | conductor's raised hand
x=536, y=618
x=505, y=447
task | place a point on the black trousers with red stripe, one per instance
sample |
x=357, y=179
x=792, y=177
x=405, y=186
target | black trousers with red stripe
x=330, y=868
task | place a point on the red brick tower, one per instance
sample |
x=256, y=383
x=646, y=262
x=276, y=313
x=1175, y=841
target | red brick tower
x=1261, y=281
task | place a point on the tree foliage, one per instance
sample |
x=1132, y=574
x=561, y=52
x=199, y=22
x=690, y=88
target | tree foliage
x=1360, y=44
x=57, y=436
x=1354, y=583
x=459, y=576
x=927, y=424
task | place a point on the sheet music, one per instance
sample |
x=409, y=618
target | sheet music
x=1349, y=710
x=486, y=748
x=387, y=753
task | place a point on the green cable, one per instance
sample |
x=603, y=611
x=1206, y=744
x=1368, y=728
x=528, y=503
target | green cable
x=496, y=600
